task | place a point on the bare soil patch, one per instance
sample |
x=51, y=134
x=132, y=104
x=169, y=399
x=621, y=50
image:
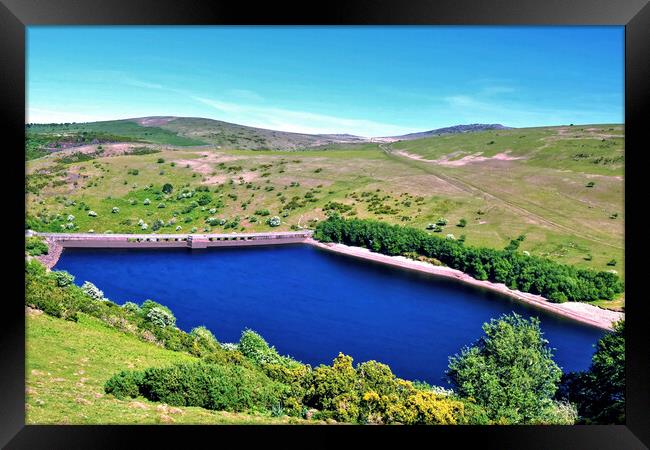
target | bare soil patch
x=473, y=158
x=154, y=121
x=205, y=164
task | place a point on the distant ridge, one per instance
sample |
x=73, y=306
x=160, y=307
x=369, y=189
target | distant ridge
x=451, y=130
x=200, y=131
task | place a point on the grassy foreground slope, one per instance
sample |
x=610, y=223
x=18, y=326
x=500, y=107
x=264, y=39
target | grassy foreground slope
x=560, y=186
x=67, y=364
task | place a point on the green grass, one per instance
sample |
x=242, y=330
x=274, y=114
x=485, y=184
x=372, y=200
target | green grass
x=120, y=128
x=593, y=149
x=68, y=363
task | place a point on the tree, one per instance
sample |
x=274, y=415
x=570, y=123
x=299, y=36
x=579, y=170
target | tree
x=167, y=188
x=515, y=243
x=510, y=371
x=600, y=391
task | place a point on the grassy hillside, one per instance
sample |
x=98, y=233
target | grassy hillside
x=114, y=130
x=593, y=149
x=560, y=186
x=232, y=136
x=176, y=131
x=68, y=364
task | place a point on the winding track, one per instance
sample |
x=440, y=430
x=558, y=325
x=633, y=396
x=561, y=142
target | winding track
x=476, y=190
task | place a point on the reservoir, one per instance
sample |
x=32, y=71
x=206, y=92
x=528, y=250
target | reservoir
x=312, y=304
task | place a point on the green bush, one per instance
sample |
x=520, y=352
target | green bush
x=124, y=385
x=204, y=199
x=92, y=291
x=160, y=317
x=43, y=292
x=204, y=341
x=34, y=246
x=63, y=278
x=255, y=348
x=210, y=386
x=131, y=307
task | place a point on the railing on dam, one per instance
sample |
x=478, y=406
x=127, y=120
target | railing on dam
x=189, y=240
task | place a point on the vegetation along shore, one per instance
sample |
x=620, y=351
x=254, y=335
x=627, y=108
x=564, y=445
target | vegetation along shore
x=250, y=382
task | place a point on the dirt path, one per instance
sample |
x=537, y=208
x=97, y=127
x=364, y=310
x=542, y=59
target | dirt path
x=581, y=312
x=478, y=191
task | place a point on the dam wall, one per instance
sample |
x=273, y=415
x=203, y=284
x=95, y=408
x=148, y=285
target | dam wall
x=192, y=241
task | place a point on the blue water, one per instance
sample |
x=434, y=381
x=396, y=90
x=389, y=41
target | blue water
x=312, y=304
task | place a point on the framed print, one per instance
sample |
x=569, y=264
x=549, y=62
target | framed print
x=244, y=220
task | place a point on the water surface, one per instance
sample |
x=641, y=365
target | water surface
x=312, y=304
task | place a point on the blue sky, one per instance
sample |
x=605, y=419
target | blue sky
x=370, y=81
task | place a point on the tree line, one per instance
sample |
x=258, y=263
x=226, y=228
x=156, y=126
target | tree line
x=517, y=270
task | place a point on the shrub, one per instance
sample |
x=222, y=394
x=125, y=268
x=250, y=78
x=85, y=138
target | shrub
x=34, y=246
x=124, y=384
x=210, y=386
x=441, y=221
x=557, y=297
x=63, y=278
x=160, y=317
x=262, y=212
x=70, y=218
x=204, y=199
x=146, y=201
x=43, y=292
x=131, y=307
x=462, y=223
x=204, y=337
x=273, y=221
x=115, y=210
x=92, y=291
x=255, y=348
x=92, y=213
x=167, y=188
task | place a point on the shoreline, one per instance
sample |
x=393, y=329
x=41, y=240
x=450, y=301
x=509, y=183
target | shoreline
x=54, y=250
x=581, y=312
x=577, y=311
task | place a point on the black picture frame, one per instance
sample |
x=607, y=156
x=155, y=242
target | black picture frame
x=15, y=15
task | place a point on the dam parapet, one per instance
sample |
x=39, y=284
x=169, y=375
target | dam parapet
x=192, y=241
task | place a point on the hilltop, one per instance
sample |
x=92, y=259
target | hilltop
x=473, y=127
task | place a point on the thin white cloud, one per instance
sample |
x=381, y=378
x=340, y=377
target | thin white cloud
x=299, y=121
